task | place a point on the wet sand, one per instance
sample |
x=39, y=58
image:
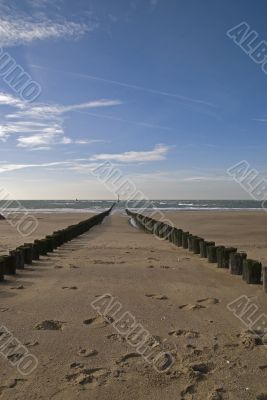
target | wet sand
x=178, y=297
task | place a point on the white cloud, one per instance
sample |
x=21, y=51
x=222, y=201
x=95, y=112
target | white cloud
x=158, y=153
x=20, y=29
x=48, y=111
x=15, y=167
x=88, y=141
x=9, y=100
x=42, y=124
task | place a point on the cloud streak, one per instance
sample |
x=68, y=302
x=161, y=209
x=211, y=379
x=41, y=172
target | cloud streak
x=157, y=154
x=39, y=125
x=17, y=29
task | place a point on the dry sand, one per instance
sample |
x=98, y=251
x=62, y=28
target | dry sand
x=179, y=298
x=46, y=224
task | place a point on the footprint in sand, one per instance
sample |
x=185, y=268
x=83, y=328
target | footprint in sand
x=70, y=287
x=127, y=358
x=17, y=287
x=165, y=267
x=31, y=343
x=202, y=367
x=89, y=376
x=150, y=266
x=4, y=309
x=74, y=266
x=191, y=307
x=58, y=266
x=99, y=321
x=11, y=384
x=157, y=296
x=14, y=357
x=250, y=339
x=188, y=334
x=50, y=325
x=209, y=300
x=115, y=337
x=87, y=352
x=202, y=303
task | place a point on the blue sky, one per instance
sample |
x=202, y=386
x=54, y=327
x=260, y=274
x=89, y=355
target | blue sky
x=155, y=86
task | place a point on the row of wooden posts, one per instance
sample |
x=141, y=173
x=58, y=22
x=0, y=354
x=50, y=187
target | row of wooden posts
x=25, y=254
x=225, y=257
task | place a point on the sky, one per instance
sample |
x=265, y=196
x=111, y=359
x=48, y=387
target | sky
x=156, y=87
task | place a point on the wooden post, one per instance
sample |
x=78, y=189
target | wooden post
x=28, y=253
x=196, y=244
x=9, y=265
x=19, y=257
x=204, y=244
x=190, y=242
x=185, y=240
x=212, y=254
x=226, y=256
x=236, y=263
x=219, y=254
x=179, y=237
x=173, y=235
x=2, y=270
x=252, y=271
x=265, y=279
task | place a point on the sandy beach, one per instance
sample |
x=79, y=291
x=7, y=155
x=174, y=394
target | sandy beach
x=180, y=299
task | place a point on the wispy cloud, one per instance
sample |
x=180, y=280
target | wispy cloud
x=48, y=111
x=15, y=167
x=158, y=153
x=17, y=27
x=41, y=125
x=260, y=119
x=7, y=99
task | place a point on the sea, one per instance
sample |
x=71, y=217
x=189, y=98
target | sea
x=87, y=206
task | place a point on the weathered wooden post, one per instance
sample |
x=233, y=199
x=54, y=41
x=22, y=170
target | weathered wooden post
x=50, y=242
x=28, y=253
x=223, y=256
x=190, y=242
x=169, y=232
x=236, y=263
x=156, y=228
x=265, y=279
x=173, y=236
x=226, y=256
x=165, y=229
x=252, y=271
x=179, y=237
x=185, y=240
x=2, y=278
x=9, y=265
x=212, y=254
x=19, y=257
x=203, y=245
x=196, y=244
